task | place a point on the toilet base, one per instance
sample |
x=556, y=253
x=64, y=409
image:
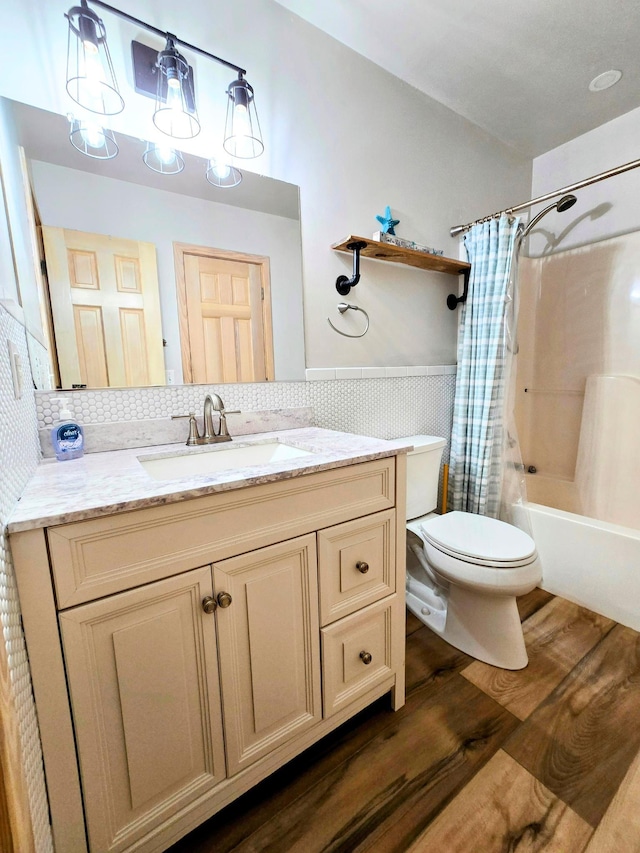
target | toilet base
x=487, y=627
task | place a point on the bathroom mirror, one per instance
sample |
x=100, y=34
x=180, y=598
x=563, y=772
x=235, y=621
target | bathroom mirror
x=176, y=217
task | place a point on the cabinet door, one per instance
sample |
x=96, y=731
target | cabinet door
x=269, y=647
x=143, y=680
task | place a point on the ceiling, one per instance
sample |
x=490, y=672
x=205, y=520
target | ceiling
x=520, y=70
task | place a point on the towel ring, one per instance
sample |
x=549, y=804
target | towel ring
x=342, y=307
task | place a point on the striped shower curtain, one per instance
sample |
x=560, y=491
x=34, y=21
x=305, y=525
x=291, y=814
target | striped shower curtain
x=479, y=436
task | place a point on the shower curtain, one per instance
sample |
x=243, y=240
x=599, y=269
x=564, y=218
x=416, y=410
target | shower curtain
x=485, y=470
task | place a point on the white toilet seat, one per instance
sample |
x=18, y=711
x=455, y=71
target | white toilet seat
x=479, y=539
x=479, y=552
x=497, y=580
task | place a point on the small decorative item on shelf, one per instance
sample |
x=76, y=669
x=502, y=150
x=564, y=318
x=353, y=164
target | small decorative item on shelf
x=388, y=222
x=383, y=237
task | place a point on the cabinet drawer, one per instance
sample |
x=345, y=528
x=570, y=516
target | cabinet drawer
x=356, y=564
x=101, y=556
x=346, y=646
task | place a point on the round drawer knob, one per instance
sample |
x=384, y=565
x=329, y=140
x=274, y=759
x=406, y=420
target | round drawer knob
x=362, y=567
x=209, y=604
x=224, y=599
x=366, y=658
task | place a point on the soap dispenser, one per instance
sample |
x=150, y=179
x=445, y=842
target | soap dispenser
x=67, y=436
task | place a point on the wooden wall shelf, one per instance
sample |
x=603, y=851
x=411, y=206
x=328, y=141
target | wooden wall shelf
x=399, y=255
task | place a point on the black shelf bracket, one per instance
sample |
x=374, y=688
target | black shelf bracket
x=452, y=300
x=343, y=283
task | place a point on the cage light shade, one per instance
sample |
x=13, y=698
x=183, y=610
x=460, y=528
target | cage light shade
x=89, y=137
x=162, y=158
x=221, y=174
x=91, y=80
x=242, y=136
x=175, y=114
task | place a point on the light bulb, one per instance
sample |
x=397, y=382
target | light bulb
x=220, y=170
x=165, y=154
x=92, y=134
x=174, y=94
x=93, y=69
x=242, y=131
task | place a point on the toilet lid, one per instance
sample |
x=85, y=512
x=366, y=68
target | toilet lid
x=477, y=537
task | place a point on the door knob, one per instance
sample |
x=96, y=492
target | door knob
x=366, y=658
x=362, y=567
x=224, y=599
x=209, y=604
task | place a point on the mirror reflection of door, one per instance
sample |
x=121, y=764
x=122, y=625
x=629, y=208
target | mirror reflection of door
x=106, y=309
x=225, y=315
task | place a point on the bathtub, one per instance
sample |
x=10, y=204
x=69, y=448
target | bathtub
x=593, y=563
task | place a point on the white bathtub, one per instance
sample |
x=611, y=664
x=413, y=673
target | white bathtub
x=592, y=563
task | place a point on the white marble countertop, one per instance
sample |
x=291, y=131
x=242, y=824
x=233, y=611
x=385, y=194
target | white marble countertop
x=105, y=483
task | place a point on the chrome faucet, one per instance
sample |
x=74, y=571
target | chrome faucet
x=212, y=403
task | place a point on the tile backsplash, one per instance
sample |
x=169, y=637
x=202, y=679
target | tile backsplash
x=385, y=407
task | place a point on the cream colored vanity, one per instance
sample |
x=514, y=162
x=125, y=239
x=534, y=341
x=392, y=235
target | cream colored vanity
x=184, y=650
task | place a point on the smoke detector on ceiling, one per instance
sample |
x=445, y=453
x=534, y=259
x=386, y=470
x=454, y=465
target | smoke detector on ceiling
x=605, y=80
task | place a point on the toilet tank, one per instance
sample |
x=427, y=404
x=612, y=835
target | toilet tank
x=423, y=471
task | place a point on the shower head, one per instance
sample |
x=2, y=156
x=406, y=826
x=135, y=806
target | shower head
x=565, y=203
x=561, y=205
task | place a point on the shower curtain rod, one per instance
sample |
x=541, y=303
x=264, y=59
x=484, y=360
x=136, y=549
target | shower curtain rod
x=458, y=229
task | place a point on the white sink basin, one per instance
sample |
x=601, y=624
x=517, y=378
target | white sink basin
x=196, y=462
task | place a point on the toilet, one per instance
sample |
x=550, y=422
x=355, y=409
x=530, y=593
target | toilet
x=464, y=571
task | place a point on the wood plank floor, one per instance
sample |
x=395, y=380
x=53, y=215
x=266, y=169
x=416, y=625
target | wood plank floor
x=478, y=761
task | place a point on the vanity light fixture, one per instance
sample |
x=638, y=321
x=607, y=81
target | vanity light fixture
x=175, y=112
x=89, y=137
x=242, y=136
x=168, y=79
x=162, y=158
x=91, y=80
x=221, y=174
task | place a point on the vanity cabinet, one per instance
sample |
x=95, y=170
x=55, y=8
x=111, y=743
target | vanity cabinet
x=185, y=651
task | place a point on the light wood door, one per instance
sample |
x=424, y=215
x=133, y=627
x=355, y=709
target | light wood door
x=269, y=648
x=143, y=680
x=225, y=315
x=106, y=309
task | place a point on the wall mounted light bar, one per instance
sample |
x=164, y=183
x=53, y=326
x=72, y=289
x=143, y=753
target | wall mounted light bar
x=91, y=83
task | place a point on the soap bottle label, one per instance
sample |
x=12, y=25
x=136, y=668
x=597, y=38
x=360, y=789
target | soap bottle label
x=69, y=437
x=68, y=441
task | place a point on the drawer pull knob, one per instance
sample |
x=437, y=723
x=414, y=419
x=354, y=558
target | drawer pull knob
x=209, y=604
x=366, y=658
x=362, y=567
x=224, y=599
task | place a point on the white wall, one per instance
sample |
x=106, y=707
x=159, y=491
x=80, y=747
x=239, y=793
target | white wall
x=353, y=137
x=128, y=210
x=605, y=209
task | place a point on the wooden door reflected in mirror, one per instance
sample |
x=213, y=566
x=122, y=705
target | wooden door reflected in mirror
x=224, y=302
x=105, y=307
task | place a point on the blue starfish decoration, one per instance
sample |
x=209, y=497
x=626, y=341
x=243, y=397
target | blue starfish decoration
x=387, y=222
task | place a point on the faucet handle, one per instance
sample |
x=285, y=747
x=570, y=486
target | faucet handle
x=194, y=435
x=223, y=421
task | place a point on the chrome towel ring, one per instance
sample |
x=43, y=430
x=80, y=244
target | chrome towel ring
x=342, y=307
